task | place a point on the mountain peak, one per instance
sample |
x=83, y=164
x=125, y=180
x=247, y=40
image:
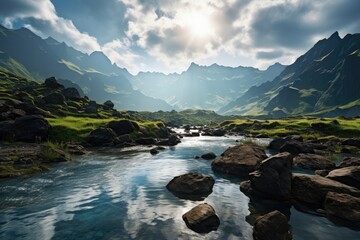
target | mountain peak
x=335, y=35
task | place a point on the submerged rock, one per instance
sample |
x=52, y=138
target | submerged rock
x=194, y=186
x=208, y=156
x=273, y=225
x=239, y=160
x=202, y=218
x=313, y=162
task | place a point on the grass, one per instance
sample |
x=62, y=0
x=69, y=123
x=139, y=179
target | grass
x=300, y=126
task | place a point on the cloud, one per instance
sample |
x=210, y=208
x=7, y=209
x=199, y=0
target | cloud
x=269, y=54
x=40, y=16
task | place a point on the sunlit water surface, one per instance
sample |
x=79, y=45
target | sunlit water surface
x=121, y=194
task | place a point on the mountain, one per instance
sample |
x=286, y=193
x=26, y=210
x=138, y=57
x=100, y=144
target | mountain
x=203, y=87
x=325, y=81
x=27, y=55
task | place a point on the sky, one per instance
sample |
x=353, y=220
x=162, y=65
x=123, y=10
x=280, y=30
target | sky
x=167, y=35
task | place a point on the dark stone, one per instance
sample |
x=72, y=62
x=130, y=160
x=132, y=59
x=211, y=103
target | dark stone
x=219, y=132
x=313, y=162
x=91, y=107
x=208, y=156
x=30, y=129
x=71, y=93
x=51, y=82
x=76, y=149
x=197, y=157
x=295, y=147
x=154, y=151
x=347, y=175
x=163, y=132
x=193, y=186
x=351, y=142
x=146, y=141
x=343, y=206
x=108, y=105
x=322, y=173
x=122, y=127
x=102, y=137
x=350, y=161
x=202, y=218
x=55, y=98
x=273, y=225
x=277, y=143
x=239, y=160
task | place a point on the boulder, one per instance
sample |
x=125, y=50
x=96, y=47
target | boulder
x=347, y=175
x=122, y=127
x=313, y=162
x=146, y=141
x=197, y=157
x=91, y=107
x=350, y=161
x=277, y=143
x=102, y=137
x=108, y=105
x=154, y=151
x=30, y=129
x=312, y=189
x=202, y=218
x=208, y=156
x=51, y=82
x=273, y=225
x=193, y=186
x=163, y=132
x=296, y=147
x=171, y=141
x=272, y=179
x=55, y=98
x=343, y=206
x=219, y=132
x=239, y=160
x=351, y=142
x=71, y=93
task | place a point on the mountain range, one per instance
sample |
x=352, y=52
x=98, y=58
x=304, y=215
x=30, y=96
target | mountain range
x=325, y=81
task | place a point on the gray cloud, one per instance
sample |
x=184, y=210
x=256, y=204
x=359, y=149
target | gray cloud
x=270, y=54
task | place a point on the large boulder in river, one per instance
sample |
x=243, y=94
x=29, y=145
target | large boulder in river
x=343, y=206
x=273, y=225
x=348, y=175
x=312, y=189
x=202, y=218
x=239, y=160
x=313, y=162
x=350, y=161
x=194, y=186
x=208, y=156
x=122, y=127
x=296, y=147
x=102, y=137
x=272, y=179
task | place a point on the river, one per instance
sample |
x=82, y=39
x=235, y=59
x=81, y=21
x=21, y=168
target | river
x=121, y=194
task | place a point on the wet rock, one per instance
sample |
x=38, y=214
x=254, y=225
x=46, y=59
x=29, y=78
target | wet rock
x=273, y=225
x=154, y=151
x=295, y=147
x=193, y=186
x=272, y=179
x=312, y=189
x=347, y=175
x=322, y=172
x=202, y=219
x=197, y=157
x=343, y=206
x=102, y=137
x=208, y=156
x=146, y=141
x=219, y=132
x=350, y=161
x=71, y=93
x=108, y=105
x=239, y=160
x=122, y=127
x=313, y=162
x=277, y=143
x=171, y=141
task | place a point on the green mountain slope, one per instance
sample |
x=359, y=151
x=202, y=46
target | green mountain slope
x=323, y=81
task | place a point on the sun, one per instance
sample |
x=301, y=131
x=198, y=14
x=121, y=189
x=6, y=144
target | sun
x=199, y=25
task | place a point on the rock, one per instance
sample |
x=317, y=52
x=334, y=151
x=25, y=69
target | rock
x=146, y=141
x=91, y=107
x=187, y=127
x=53, y=155
x=154, y=151
x=272, y=179
x=208, y=156
x=15, y=113
x=124, y=139
x=343, y=206
x=193, y=186
x=351, y=142
x=202, y=218
x=350, y=161
x=4, y=107
x=219, y=132
x=197, y=157
x=295, y=147
x=171, y=141
x=313, y=162
x=322, y=172
x=76, y=149
x=312, y=189
x=273, y=225
x=30, y=129
x=239, y=160
x=277, y=143
x=51, y=82
x=102, y=137
x=347, y=175
x=71, y=93
x=163, y=132
x=55, y=98
x=122, y=127
x=108, y=105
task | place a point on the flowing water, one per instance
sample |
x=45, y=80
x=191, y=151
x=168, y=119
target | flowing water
x=121, y=194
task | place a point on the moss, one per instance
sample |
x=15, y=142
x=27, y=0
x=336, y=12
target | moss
x=7, y=171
